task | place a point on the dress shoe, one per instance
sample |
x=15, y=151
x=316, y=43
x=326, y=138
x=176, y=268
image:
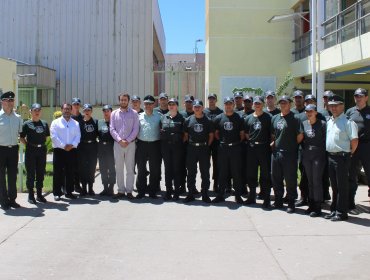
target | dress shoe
x=140, y=196
x=189, y=198
x=290, y=209
x=70, y=196
x=5, y=206
x=57, y=197
x=260, y=195
x=329, y=216
x=218, y=199
x=78, y=189
x=14, y=204
x=31, y=199
x=315, y=214
x=130, y=196
x=153, y=196
x=176, y=197
x=104, y=192
x=278, y=205
x=338, y=218
x=167, y=196
x=266, y=204
x=285, y=200
x=250, y=201
x=41, y=198
x=301, y=202
x=119, y=195
x=206, y=199
x=238, y=199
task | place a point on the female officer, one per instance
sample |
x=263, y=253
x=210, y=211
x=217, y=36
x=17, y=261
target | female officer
x=314, y=158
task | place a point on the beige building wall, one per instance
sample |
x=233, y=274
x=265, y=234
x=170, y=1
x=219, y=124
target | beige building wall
x=7, y=69
x=242, y=48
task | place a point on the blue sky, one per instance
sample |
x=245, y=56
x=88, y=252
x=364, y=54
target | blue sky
x=184, y=22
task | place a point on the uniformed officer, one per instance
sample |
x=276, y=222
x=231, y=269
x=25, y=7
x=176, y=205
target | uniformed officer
x=360, y=114
x=326, y=112
x=211, y=112
x=77, y=116
x=148, y=150
x=314, y=157
x=136, y=104
x=106, y=153
x=34, y=134
x=270, y=100
x=188, y=104
x=298, y=97
x=10, y=127
x=88, y=151
x=229, y=130
x=286, y=135
x=238, y=99
x=172, y=145
x=163, y=106
x=341, y=143
x=199, y=134
x=257, y=127
x=247, y=109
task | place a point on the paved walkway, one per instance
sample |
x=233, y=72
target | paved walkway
x=94, y=238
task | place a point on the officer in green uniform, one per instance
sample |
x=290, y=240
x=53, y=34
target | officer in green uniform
x=88, y=151
x=172, y=146
x=105, y=153
x=199, y=134
x=286, y=135
x=33, y=135
x=211, y=112
x=360, y=114
x=229, y=130
x=257, y=127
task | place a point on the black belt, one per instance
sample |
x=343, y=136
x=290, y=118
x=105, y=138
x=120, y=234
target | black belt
x=147, y=142
x=89, y=142
x=341, y=154
x=36, y=145
x=106, y=143
x=311, y=148
x=254, y=143
x=229, y=144
x=9, y=146
x=197, y=144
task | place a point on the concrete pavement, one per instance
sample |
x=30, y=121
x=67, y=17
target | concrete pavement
x=95, y=238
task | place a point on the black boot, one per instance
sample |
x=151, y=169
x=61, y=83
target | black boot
x=40, y=197
x=105, y=191
x=83, y=190
x=251, y=197
x=316, y=211
x=31, y=196
x=91, y=190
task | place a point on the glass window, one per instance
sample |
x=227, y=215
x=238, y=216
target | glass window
x=331, y=8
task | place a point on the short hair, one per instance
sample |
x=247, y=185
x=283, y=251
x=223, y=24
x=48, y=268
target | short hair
x=124, y=94
x=64, y=104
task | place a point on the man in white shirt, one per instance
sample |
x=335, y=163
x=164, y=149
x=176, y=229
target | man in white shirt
x=65, y=136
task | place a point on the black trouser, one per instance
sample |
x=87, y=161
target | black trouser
x=339, y=172
x=8, y=165
x=229, y=160
x=214, y=154
x=360, y=157
x=325, y=177
x=259, y=156
x=314, y=161
x=64, y=168
x=76, y=173
x=87, y=159
x=173, y=158
x=35, y=162
x=303, y=183
x=244, y=160
x=148, y=151
x=284, y=167
x=197, y=154
x=106, y=163
x=184, y=168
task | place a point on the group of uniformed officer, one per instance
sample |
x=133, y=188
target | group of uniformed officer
x=244, y=140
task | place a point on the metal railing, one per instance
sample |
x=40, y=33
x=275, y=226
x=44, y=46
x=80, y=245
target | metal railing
x=302, y=46
x=348, y=24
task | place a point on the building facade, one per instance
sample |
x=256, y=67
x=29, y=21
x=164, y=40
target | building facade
x=97, y=47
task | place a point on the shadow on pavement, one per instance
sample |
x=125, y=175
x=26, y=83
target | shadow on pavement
x=53, y=206
x=25, y=212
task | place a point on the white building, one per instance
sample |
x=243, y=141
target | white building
x=97, y=47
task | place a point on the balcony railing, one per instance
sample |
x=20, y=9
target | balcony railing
x=349, y=23
x=302, y=46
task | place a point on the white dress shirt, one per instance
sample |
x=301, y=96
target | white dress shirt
x=64, y=132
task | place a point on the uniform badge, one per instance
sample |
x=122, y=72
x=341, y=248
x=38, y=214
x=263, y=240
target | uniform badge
x=198, y=127
x=228, y=126
x=39, y=129
x=104, y=129
x=368, y=116
x=280, y=124
x=310, y=133
x=257, y=125
x=89, y=128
